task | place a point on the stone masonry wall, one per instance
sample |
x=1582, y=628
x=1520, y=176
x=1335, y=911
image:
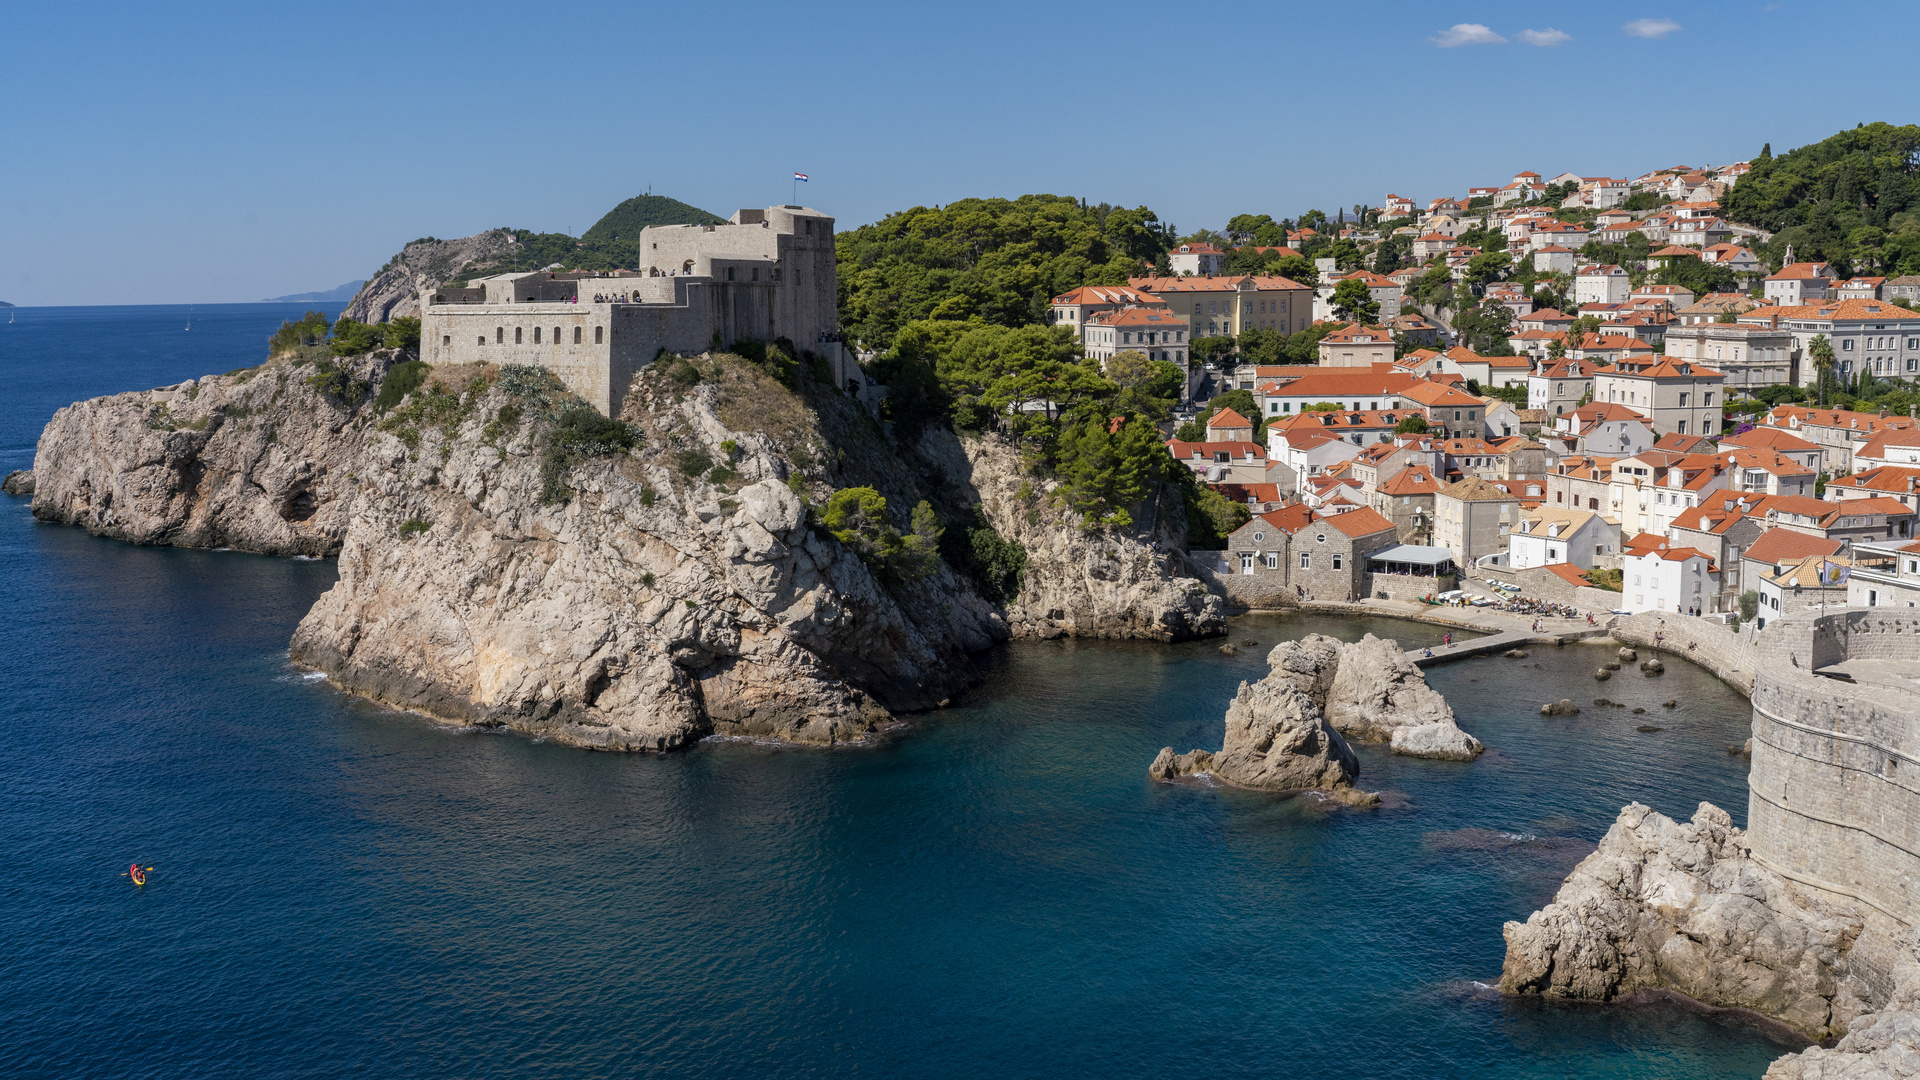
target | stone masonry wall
x=1703, y=641
x=1834, y=792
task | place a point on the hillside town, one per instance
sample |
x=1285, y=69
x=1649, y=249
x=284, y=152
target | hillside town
x=1585, y=392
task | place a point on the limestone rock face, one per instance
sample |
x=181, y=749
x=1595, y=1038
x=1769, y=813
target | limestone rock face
x=1666, y=905
x=256, y=460
x=18, y=482
x=1378, y=695
x=1436, y=740
x=1277, y=739
x=421, y=265
x=638, y=610
x=1109, y=583
x=1309, y=663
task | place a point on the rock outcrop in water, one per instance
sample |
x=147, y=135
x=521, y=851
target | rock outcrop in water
x=1276, y=740
x=258, y=460
x=18, y=482
x=1284, y=732
x=1371, y=692
x=1378, y=695
x=1670, y=906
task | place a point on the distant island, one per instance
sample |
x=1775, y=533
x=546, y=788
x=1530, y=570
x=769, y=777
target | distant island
x=3, y=303
x=341, y=294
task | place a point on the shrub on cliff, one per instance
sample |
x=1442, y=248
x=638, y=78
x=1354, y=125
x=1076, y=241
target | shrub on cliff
x=310, y=330
x=336, y=382
x=857, y=517
x=581, y=433
x=402, y=379
x=1108, y=468
x=1211, y=516
x=995, y=564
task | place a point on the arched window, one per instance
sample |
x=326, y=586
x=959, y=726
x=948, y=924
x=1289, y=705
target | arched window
x=483, y=339
x=598, y=331
x=556, y=335
x=517, y=331
x=499, y=335
x=536, y=335
x=576, y=335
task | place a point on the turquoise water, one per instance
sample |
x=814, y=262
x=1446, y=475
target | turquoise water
x=996, y=889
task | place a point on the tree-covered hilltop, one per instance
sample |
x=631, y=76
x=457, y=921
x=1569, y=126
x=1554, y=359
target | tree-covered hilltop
x=1853, y=200
x=1000, y=260
x=613, y=243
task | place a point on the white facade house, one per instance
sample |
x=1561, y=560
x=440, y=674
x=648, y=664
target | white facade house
x=1601, y=285
x=1658, y=576
x=1545, y=536
x=1885, y=575
x=1197, y=260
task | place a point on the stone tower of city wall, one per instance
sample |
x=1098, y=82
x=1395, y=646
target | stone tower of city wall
x=1834, y=790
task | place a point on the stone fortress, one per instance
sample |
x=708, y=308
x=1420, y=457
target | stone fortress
x=762, y=276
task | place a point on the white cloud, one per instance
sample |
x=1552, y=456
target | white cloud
x=1467, y=33
x=1652, y=28
x=1545, y=37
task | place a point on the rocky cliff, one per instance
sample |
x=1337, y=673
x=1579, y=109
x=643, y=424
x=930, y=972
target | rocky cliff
x=1671, y=906
x=1108, y=583
x=627, y=600
x=259, y=459
x=421, y=265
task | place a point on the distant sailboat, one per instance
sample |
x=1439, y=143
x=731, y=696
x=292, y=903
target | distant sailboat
x=189, y=316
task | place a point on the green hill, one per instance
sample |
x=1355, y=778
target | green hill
x=612, y=243
x=1852, y=200
x=622, y=225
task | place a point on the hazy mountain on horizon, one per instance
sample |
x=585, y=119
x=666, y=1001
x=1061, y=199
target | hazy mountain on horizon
x=340, y=295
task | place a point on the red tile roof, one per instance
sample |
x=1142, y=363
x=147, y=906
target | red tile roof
x=1362, y=522
x=1786, y=545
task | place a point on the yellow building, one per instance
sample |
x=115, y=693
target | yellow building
x=1225, y=306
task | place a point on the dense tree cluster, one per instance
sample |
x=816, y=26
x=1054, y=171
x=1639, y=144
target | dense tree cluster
x=1853, y=200
x=998, y=260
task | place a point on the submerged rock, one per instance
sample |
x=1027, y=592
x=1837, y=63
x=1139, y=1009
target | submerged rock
x=1666, y=905
x=1652, y=666
x=1563, y=707
x=1229, y=650
x=1602, y=674
x=1515, y=654
x=1627, y=655
x=18, y=482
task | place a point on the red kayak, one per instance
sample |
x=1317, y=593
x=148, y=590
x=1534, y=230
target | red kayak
x=138, y=875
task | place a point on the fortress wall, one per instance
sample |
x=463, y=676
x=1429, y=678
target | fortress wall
x=1834, y=791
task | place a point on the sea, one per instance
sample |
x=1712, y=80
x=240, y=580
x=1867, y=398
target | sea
x=996, y=889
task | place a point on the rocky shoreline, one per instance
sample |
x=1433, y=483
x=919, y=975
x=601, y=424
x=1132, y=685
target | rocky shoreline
x=502, y=564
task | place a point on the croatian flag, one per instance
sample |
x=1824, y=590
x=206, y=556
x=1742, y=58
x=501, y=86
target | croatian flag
x=799, y=176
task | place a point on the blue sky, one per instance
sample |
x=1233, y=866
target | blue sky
x=212, y=153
